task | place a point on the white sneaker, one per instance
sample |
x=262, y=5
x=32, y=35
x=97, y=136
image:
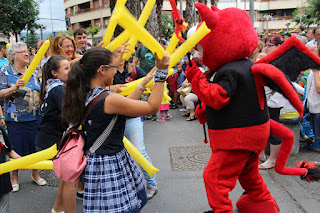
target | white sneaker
x=15, y=187
x=151, y=191
x=183, y=110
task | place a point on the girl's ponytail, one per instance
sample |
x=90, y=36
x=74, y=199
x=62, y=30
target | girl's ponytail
x=78, y=83
x=77, y=87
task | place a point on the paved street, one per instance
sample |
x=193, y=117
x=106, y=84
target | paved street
x=176, y=148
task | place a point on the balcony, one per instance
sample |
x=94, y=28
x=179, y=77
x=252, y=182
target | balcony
x=83, y=16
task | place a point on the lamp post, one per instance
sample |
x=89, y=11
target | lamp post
x=267, y=17
x=287, y=24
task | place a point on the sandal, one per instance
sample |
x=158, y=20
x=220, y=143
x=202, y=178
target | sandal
x=266, y=164
x=191, y=118
x=186, y=114
x=262, y=158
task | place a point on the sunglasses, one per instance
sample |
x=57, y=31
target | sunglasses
x=108, y=66
x=270, y=45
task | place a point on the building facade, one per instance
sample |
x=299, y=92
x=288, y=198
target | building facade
x=273, y=16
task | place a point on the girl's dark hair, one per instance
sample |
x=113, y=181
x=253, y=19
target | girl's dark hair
x=52, y=64
x=276, y=40
x=78, y=83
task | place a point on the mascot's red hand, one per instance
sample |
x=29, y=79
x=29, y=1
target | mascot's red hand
x=211, y=94
x=201, y=113
x=192, y=70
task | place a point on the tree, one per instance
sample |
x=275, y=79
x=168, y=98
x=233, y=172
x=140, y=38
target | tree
x=303, y=19
x=93, y=30
x=152, y=28
x=32, y=39
x=159, y=4
x=167, y=26
x=214, y=2
x=188, y=15
x=314, y=9
x=15, y=15
x=310, y=13
x=71, y=33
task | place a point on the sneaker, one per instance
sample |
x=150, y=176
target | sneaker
x=80, y=195
x=151, y=191
x=154, y=117
x=174, y=106
x=168, y=116
x=183, y=110
x=162, y=119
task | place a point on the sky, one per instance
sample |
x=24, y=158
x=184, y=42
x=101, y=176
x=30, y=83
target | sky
x=57, y=12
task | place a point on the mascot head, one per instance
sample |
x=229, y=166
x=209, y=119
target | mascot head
x=232, y=36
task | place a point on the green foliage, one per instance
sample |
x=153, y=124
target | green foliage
x=71, y=33
x=306, y=19
x=314, y=9
x=93, y=30
x=167, y=26
x=310, y=14
x=17, y=15
x=32, y=40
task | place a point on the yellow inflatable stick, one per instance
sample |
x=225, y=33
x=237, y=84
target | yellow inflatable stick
x=45, y=164
x=7, y=46
x=25, y=161
x=132, y=85
x=173, y=43
x=144, y=163
x=125, y=35
x=200, y=33
x=119, y=40
x=37, y=58
x=142, y=21
x=128, y=22
x=112, y=23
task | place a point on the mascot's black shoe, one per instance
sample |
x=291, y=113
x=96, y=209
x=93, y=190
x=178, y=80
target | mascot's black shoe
x=209, y=211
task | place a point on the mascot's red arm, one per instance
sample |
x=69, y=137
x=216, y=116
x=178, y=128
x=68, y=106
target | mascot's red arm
x=260, y=71
x=211, y=94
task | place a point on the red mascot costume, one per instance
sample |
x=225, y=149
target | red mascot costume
x=235, y=109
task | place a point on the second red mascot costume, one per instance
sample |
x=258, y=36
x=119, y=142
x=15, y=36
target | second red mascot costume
x=235, y=109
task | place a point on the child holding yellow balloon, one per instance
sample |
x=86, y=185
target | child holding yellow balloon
x=118, y=188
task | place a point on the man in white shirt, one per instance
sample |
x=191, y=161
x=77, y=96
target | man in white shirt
x=316, y=33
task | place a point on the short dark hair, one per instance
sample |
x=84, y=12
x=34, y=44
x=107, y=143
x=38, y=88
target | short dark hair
x=3, y=45
x=314, y=30
x=79, y=32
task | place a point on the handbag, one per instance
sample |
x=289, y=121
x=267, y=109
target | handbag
x=184, y=91
x=71, y=159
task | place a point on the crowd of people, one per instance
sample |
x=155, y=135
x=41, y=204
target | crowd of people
x=71, y=74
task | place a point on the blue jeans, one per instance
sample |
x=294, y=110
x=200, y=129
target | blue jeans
x=134, y=133
x=315, y=123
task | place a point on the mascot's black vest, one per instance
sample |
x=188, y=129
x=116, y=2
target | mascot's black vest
x=243, y=110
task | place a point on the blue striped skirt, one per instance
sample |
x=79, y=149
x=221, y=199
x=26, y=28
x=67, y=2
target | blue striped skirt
x=113, y=184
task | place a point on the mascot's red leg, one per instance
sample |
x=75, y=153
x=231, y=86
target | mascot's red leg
x=258, y=199
x=220, y=177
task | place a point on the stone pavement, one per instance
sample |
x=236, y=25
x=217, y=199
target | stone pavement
x=176, y=148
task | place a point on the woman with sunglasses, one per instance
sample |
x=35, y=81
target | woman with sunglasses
x=63, y=44
x=22, y=114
